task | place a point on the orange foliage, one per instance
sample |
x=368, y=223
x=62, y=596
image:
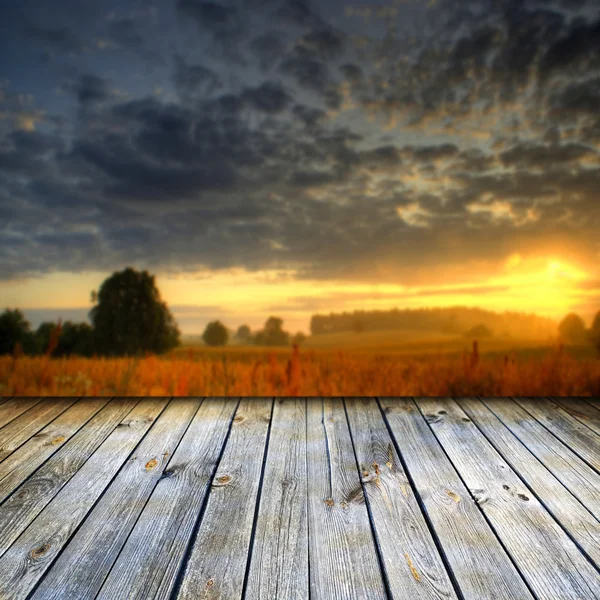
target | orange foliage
x=334, y=373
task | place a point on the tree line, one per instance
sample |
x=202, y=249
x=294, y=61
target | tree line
x=128, y=318
x=272, y=334
x=454, y=320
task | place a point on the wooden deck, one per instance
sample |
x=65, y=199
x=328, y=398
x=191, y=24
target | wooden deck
x=130, y=498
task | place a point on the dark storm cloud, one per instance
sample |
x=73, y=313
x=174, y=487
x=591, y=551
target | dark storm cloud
x=545, y=157
x=246, y=156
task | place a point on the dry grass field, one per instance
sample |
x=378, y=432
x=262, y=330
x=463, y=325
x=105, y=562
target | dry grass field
x=369, y=364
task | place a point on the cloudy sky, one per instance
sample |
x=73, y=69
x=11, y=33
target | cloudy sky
x=290, y=157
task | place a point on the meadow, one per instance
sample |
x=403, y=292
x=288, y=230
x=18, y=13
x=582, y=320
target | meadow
x=378, y=364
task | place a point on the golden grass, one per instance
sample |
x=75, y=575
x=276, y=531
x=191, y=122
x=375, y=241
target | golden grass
x=260, y=372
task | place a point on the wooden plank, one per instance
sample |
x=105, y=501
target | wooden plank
x=148, y=564
x=279, y=556
x=218, y=559
x=412, y=562
x=566, y=428
x=26, y=561
x=15, y=407
x=15, y=469
x=583, y=411
x=576, y=475
x=477, y=559
x=22, y=507
x=548, y=559
x=86, y=561
x=342, y=551
x=581, y=525
x=4, y=399
x=19, y=430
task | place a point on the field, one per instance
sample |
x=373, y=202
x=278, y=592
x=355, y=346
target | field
x=379, y=364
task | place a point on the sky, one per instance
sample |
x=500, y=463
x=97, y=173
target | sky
x=292, y=157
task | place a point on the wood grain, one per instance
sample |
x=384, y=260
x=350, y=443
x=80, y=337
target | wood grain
x=412, y=562
x=19, y=510
x=19, y=430
x=279, y=560
x=149, y=563
x=568, y=429
x=15, y=407
x=583, y=527
x=343, y=554
x=86, y=561
x=583, y=411
x=26, y=561
x=548, y=559
x=218, y=559
x=576, y=475
x=17, y=467
x=480, y=564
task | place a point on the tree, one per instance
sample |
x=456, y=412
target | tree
x=42, y=336
x=76, y=338
x=130, y=318
x=299, y=338
x=215, y=334
x=572, y=329
x=479, y=331
x=358, y=325
x=243, y=334
x=595, y=332
x=14, y=328
x=272, y=334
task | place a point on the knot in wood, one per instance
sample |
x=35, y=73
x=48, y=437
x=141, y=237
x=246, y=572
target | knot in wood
x=151, y=464
x=221, y=480
x=39, y=551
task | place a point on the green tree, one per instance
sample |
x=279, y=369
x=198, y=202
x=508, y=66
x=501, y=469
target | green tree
x=42, y=336
x=243, y=334
x=272, y=334
x=14, y=328
x=572, y=329
x=215, y=334
x=76, y=338
x=130, y=318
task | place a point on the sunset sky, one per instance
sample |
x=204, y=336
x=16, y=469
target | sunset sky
x=291, y=157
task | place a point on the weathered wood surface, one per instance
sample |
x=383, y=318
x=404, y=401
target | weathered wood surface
x=343, y=555
x=577, y=476
x=150, y=561
x=279, y=559
x=548, y=559
x=578, y=522
x=26, y=561
x=14, y=407
x=219, y=556
x=299, y=498
x=29, y=423
x=86, y=561
x=476, y=557
x=568, y=429
x=412, y=562
x=586, y=412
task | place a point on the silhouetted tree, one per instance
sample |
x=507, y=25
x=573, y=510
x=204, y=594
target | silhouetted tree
x=358, y=325
x=42, y=336
x=215, y=334
x=479, y=331
x=130, y=317
x=299, y=338
x=243, y=333
x=76, y=338
x=272, y=334
x=572, y=329
x=15, y=329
